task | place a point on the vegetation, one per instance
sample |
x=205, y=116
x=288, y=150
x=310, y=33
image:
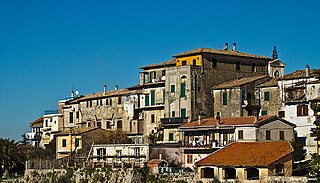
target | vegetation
x=315, y=132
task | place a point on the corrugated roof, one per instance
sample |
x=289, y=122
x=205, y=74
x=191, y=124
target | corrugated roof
x=161, y=64
x=239, y=82
x=211, y=122
x=77, y=131
x=253, y=154
x=221, y=52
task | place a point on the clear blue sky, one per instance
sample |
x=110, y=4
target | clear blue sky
x=45, y=46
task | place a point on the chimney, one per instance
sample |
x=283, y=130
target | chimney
x=307, y=70
x=226, y=46
x=104, y=89
x=72, y=94
x=234, y=48
x=218, y=119
x=199, y=119
x=116, y=87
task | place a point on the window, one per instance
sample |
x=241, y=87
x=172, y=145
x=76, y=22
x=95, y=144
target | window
x=137, y=152
x=279, y=169
x=153, y=76
x=189, y=159
x=173, y=88
x=253, y=67
x=282, y=114
x=100, y=102
x=153, y=97
x=170, y=136
x=99, y=124
x=240, y=134
x=118, y=156
x=230, y=173
x=183, y=113
x=183, y=90
x=214, y=63
x=70, y=117
x=107, y=101
x=89, y=103
x=281, y=135
x=194, y=61
x=268, y=135
x=173, y=114
x=119, y=124
x=163, y=72
x=108, y=125
x=238, y=66
x=207, y=173
x=110, y=102
x=97, y=102
x=89, y=124
x=302, y=110
x=225, y=98
x=64, y=142
x=119, y=100
x=184, y=62
x=146, y=100
x=77, y=114
x=47, y=123
x=146, y=77
x=264, y=113
x=252, y=174
x=152, y=118
x=76, y=142
x=267, y=96
x=101, y=152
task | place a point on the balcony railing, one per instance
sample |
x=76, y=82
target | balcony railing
x=174, y=121
x=250, y=103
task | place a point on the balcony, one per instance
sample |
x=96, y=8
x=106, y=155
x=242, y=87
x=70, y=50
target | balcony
x=251, y=103
x=173, y=121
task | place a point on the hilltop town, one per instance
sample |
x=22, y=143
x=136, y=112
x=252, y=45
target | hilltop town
x=204, y=115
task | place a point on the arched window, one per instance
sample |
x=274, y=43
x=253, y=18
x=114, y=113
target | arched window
x=252, y=173
x=183, y=82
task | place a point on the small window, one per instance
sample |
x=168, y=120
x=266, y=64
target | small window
x=183, y=90
x=189, y=159
x=170, y=136
x=225, y=98
x=107, y=101
x=280, y=169
x=268, y=135
x=64, y=142
x=99, y=124
x=184, y=62
x=119, y=100
x=240, y=134
x=173, y=114
x=238, y=66
x=207, y=173
x=183, y=113
x=252, y=174
x=230, y=173
x=173, y=88
x=89, y=124
x=77, y=142
x=108, y=125
x=264, y=113
x=77, y=114
x=281, y=135
x=282, y=114
x=70, y=117
x=146, y=99
x=163, y=72
x=110, y=102
x=214, y=63
x=119, y=124
x=194, y=61
x=253, y=67
x=267, y=96
x=302, y=110
x=152, y=118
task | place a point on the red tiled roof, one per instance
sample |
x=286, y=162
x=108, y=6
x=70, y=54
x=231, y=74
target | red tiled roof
x=39, y=120
x=221, y=52
x=77, y=131
x=255, y=154
x=211, y=122
x=239, y=82
x=161, y=64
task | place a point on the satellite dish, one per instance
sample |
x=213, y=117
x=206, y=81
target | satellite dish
x=76, y=92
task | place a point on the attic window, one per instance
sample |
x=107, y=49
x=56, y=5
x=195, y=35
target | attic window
x=184, y=62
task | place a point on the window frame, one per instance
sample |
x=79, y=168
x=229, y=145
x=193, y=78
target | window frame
x=268, y=134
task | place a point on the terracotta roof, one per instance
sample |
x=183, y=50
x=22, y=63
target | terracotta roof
x=39, y=120
x=161, y=64
x=301, y=74
x=220, y=52
x=253, y=154
x=239, y=82
x=77, y=131
x=156, y=161
x=272, y=82
x=109, y=93
x=211, y=122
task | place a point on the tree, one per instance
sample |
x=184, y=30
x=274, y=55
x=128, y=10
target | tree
x=7, y=149
x=299, y=154
x=315, y=132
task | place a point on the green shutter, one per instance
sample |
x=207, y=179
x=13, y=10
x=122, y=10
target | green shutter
x=225, y=98
x=153, y=98
x=170, y=136
x=146, y=100
x=183, y=113
x=173, y=88
x=264, y=113
x=183, y=90
x=267, y=96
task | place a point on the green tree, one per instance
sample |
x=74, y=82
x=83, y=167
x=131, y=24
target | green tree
x=7, y=149
x=315, y=132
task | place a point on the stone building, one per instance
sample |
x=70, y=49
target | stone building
x=238, y=97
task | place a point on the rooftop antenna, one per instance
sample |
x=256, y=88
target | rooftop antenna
x=275, y=53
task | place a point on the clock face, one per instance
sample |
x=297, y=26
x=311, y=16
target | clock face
x=276, y=74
